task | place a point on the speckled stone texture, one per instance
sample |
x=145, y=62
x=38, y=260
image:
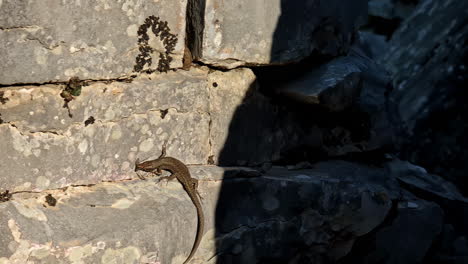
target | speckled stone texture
x=53, y=40
x=111, y=125
x=143, y=222
x=277, y=31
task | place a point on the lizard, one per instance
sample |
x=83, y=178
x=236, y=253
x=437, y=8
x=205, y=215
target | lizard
x=180, y=172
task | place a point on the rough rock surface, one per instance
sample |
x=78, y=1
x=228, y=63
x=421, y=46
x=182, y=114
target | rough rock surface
x=111, y=125
x=86, y=88
x=406, y=237
x=320, y=210
x=272, y=32
x=353, y=88
x=426, y=225
x=427, y=58
x=55, y=40
x=390, y=9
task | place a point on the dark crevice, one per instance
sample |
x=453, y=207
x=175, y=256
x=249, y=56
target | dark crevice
x=50, y=200
x=366, y=243
x=382, y=26
x=88, y=81
x=195, y=25
x=3, y=99
x=163, y=113
x=5, y=196
x=272, y=76
x=89, y=121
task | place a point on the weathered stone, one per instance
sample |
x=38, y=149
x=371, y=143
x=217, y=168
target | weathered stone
x=433, y=188
x=406, y=238
x=373, y=45
x=41, y=108
x=391, y=9
x=334, y=85
x=381, y=8
x=355, y=90
x=246, y=219
x=422, y=52
x=258, y=32
x=42, y=147
x=53, y=41
x=102, y=151
x=428, y=61
x=450, y=249
x=417, y=178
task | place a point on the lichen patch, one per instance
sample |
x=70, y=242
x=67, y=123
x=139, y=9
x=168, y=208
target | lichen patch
x=146, y=145
x=29, y=209
x=123, y=255
x=77, y=254
x=124, y=203
x=167, y=40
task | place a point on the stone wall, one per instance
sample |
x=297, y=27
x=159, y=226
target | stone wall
x=285, y=89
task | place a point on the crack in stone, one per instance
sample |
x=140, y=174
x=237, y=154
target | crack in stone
x=20, y=28
x=10, y=195
x=128, y=79
x=43, y=44
x=261, y=223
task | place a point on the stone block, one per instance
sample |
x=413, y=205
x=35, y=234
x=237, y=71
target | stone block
x=247, y=219
x=50, y=41
x=259, y=32
x=111, y=125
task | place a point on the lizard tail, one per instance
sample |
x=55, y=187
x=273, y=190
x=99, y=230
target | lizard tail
x=200, y=227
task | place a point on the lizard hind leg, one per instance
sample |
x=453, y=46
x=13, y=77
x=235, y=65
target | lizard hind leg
x=195, y=187
x=167, y=178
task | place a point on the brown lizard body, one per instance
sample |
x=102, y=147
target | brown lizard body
x=180, y=172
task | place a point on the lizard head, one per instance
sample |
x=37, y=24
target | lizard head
x=143, y=166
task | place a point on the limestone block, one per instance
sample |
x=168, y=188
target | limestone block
x=111, y=125
x=247, y=32
x=53, y=40
x=41, y=108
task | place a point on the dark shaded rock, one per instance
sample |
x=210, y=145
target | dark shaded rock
x=406, y=236
x=334, y=85
x=373, y=45
x=390, y=9
x=449, y=249
x=347, y=104
x=385, y=16
x=416, y=177
x=302, y=216
x=433, y=188
x=428, y=62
